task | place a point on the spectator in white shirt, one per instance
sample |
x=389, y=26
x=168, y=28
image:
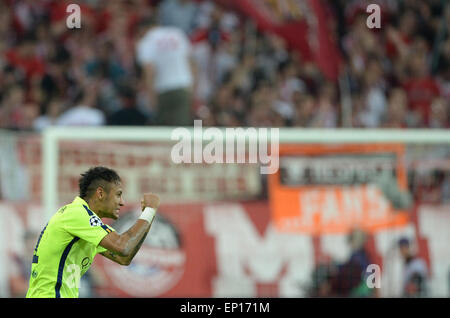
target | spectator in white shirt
x=50, y=116
x=83, y=113
x=164, y=53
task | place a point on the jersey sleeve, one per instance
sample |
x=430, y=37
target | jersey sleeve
x=85, y=224
x=101, y=249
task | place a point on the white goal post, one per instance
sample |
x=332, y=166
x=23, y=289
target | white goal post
x=53, y=135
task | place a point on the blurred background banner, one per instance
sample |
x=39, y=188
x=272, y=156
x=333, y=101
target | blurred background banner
x=314, y=69
x=144, y=166
x=231, y=250
x=328, y=189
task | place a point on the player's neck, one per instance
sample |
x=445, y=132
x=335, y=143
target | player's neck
x=94, y=206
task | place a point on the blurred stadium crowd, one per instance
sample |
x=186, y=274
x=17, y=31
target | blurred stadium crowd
x=396, y=76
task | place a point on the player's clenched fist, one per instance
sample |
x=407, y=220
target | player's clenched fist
x=149, y=205
x=150, y=200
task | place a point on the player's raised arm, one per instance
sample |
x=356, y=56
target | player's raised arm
x=123, y=247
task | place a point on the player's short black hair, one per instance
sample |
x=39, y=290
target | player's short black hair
x=96, y=177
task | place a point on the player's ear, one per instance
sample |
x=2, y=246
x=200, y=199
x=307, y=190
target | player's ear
x=100, y=193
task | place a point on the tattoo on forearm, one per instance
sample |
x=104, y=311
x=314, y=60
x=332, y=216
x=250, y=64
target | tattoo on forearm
x=138, y=246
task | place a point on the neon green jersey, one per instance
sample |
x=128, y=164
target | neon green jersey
x=65, y=250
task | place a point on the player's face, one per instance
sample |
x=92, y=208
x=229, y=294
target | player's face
x=113, y=201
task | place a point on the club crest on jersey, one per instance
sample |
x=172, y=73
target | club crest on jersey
x=95, y=221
